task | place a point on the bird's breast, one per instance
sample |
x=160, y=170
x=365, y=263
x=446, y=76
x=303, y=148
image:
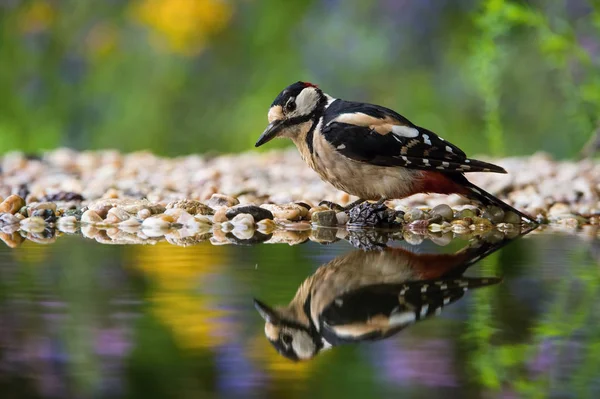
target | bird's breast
x=361, y=179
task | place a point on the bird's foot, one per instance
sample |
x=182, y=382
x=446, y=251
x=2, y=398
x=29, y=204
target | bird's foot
x=338, y=208
x=332, y=205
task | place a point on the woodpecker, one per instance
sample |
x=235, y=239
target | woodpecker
x=369, y=295
x=373, y=152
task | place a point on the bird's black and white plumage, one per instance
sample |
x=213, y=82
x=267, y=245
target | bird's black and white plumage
x=370, y=295
x=371, y=151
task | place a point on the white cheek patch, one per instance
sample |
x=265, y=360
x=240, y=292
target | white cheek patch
x=303, y=345
x=306, y=101
x=405, y=131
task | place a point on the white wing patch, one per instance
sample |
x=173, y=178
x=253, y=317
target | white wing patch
x=405, y=131
x=426, y=139
x=399, y=319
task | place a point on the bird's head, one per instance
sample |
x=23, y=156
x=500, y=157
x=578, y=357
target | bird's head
x=290, y=338
x=296, y=105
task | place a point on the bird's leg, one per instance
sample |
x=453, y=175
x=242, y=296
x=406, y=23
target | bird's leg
x=338, y=208
x=351, y=205
x=332, y=205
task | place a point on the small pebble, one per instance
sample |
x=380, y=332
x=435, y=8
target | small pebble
x=12, y=204
x=158, y=222
x=144, y=213
x=40, y=205
x=342, y=218
x=220, y=200
x=266, y=226
x=192, y=207
x=511, y=217
x=324, y=218
x=243, y=220
x=67, y=221
x=414, y=214
x=90, y=217
x=7, y=219
x=494, y=214
x=257, y=213
x=288, y=212
x=444, y=211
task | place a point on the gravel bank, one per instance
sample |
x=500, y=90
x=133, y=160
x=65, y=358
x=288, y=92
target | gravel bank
x=244, y=195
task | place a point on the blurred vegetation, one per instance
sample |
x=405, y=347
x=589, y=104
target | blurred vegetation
x=504, y=77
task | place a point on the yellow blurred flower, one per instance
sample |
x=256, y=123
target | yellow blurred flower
x=176, y=274
x=184, y=24
x=36, y=17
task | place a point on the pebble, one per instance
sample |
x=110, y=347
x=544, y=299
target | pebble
x=324, y=218
x=511, y=217
x=494, y=214
x=158, y=222
x=144, y=214
x=36, y=206
x=192, y=207
x=33, y=224
x=220, y=200
x=266, y=226
x=12, y=204
x=257, y=213
x=342, y=218
x=67, y=221
x=291, y=212
x=444, y=211
x=116, y=215
x=220, y=215
x=90, y=217
x=243, y=221
x=414, y=214
x=12, y=240
x=7, y=219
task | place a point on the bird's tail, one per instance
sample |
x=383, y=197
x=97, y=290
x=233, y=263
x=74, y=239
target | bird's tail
x=487, y=199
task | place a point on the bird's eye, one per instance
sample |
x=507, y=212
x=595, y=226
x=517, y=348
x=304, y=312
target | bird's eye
x=286, y=338
x=290, y=105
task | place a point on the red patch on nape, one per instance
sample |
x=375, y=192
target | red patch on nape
x=307, y=84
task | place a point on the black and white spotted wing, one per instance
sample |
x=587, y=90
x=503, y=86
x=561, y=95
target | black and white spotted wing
x=378, y=311
x=379, y=136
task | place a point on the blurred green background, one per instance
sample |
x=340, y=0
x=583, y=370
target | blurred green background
x=188, y=76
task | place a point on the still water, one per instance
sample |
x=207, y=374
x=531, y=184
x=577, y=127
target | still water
x=79, y=319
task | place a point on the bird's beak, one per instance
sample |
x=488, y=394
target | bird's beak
x=270, y=132
x=266, y=312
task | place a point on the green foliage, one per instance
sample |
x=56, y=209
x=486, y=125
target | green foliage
x=130, y=75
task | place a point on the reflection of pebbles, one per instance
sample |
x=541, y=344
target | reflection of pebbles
x=370, y=295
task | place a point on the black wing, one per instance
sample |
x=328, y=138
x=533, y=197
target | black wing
x=378, y=311
x=380, y=136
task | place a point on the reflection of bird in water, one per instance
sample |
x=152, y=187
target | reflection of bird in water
x=369, y=295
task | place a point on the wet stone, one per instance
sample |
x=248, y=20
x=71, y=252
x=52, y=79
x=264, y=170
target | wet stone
x=292, y=212
x=220, y=200
x=256, y=238
x=414, y=214
x=494, y=214
x=7, y=219
x=444, y=211
x=374, y=215
x=191, y=206
x=257, y=212
x=324, y=218
x=12, y=204
x=47, y=215
x=90, y=217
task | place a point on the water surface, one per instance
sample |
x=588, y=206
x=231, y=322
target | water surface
x=83, y=320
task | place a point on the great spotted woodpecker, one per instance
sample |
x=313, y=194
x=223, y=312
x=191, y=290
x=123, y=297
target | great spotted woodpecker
x=373, y=152
x=370, y=295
